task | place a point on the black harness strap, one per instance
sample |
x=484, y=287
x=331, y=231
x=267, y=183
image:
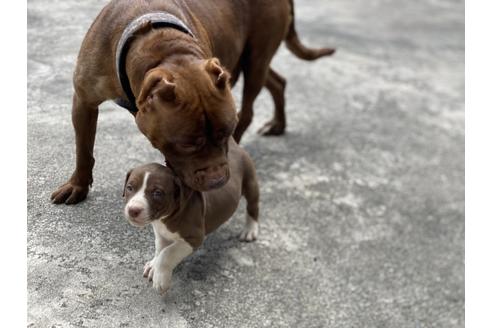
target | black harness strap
x=157, y=20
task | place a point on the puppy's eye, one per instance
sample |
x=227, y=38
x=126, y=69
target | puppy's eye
x=157, y=193
x=129, y=188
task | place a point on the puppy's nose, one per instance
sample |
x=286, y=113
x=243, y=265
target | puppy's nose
x=134, y=211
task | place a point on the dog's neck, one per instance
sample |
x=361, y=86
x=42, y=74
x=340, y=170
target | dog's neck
x=191, y=204
x=160, y=47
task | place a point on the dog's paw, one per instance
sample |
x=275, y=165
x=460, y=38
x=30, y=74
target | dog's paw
x=161, y=280
x=272, y=128
x=149, y=269
x=69, y=193
x=250, y=231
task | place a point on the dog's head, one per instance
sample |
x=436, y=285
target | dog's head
x=188, y=113
x=152, y=192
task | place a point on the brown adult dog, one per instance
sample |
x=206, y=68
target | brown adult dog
x=181, y=81
x=181, y=217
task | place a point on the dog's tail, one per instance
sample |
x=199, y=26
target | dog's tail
x=294, y=44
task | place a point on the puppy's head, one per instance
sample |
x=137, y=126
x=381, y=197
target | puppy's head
x=151, y=192
x=188, y=113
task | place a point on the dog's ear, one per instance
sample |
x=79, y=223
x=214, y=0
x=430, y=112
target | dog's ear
x=126, y=180
x=218, y=74
x=157, y=83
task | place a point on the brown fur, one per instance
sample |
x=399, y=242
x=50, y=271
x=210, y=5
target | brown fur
x=186, y=109
x=195, y=214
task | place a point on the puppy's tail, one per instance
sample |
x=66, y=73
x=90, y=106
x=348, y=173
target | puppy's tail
x=297, y=48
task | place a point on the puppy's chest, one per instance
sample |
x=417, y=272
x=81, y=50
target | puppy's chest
x=161, y=230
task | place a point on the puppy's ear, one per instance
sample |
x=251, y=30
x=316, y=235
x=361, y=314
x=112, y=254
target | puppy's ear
x=157, y=83
x=126, y=180
x=218, y=74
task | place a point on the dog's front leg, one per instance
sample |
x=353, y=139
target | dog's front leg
x=166, y=261
x=160, y=243
x=84, y=119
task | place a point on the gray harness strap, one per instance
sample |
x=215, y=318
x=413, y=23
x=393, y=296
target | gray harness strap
x=157, y=20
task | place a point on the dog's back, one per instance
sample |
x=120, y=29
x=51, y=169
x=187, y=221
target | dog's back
x=225, y=28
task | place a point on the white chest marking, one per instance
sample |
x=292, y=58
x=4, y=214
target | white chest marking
x=161, y=230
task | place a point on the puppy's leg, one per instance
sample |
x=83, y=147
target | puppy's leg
x=275, y=83
x=160, y=243
x=84, y=119
x=252, y=194
x=166, y=261
x=250, y=230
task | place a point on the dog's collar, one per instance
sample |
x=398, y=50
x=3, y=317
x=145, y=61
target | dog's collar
x=157, y=20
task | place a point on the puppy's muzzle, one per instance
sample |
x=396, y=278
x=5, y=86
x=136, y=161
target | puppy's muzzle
x=135, y=215
x=134, y=211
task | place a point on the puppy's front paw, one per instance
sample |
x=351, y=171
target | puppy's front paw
x=149, y=269
x=162, y=280
x=250, y=231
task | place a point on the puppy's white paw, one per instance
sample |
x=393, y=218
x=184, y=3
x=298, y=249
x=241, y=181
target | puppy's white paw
x=162, y=280
x=149, y=269
x=250, y=231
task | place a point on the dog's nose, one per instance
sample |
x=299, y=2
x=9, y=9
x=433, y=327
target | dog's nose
x=134, y=211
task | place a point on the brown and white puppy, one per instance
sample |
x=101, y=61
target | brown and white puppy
x=181, y=217
x=180, y=79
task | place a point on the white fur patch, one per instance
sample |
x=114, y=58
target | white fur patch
x=162, y=265
x=160, y=230
x=170, y=249
x=139, y=201
x=250, y=230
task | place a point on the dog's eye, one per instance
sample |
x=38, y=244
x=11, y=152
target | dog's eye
x=192, y=145
x=187, y=146
x=129, y=188
x=222, y=141
x=157, y=193
x=199, y=142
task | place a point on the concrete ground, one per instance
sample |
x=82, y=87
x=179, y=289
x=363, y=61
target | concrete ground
x=362, y=208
